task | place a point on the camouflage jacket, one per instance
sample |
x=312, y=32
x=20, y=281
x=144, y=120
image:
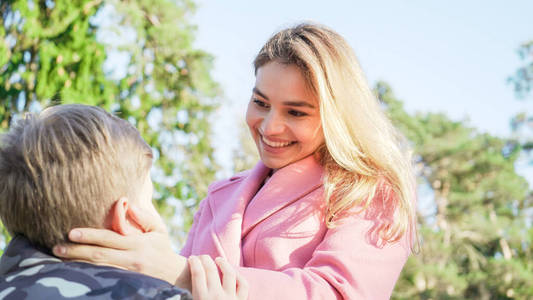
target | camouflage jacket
x=30, y=273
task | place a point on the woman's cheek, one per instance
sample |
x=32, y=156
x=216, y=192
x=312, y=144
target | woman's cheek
x=250, y=117
x=254, y=118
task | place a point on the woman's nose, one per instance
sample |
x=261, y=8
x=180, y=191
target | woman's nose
x=272, y=124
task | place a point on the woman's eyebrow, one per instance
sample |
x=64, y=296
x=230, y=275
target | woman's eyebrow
x=287, y=103
x=299, y=104
x=257, y=91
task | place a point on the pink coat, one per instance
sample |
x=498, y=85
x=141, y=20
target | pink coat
x=278, y=240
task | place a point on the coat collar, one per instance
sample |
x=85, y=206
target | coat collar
x=285, y=186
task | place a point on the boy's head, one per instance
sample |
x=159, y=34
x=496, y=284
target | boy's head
x=66, y=168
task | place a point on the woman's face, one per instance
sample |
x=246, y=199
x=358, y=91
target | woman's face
x=283, y=116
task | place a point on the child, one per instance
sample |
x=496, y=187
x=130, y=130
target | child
x=71, y=166
x=328, y=212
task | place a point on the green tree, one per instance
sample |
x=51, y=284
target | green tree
x=50, y=53
x=474, y=240
x=245, y=156
x=522, y=81
x=167, y=93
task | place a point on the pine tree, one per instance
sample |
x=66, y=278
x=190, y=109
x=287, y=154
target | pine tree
x=522, y=81
x=474, y=240
x=167, y=93
x=50, y=53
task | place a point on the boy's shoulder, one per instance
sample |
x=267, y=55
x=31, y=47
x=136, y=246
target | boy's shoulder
x=235, y=179
x=85, y=281
x=33, y=274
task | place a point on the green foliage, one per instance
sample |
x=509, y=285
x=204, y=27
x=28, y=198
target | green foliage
x=172, y=81
x=55, y=56
x=522, y=81
x=475, y=243
x=245, y=156
x=49, y=53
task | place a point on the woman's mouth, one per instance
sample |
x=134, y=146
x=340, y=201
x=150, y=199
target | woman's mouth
x=276, y=144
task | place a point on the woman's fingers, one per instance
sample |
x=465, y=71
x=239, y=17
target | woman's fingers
x=198, y=279
x=148, y=253
x=211, y=272
x=242, y=287
x=206, y=281
x=93, y=254
x=233, y=283
x=99, y=237
x=148, y=221
x=229, y=277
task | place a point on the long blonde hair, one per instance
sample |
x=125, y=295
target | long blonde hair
x=365, y=158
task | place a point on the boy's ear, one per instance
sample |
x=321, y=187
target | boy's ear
x=121, y=217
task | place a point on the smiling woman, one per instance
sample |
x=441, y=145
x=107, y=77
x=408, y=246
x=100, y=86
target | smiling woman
x=327, y=213
x=283, y=116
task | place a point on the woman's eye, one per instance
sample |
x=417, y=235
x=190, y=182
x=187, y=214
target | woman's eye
x=297, y=113
x=260, y=103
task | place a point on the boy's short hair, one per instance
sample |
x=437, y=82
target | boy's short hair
x=64, y=168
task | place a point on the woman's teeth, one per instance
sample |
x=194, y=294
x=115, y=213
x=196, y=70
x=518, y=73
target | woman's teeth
x=275, y=144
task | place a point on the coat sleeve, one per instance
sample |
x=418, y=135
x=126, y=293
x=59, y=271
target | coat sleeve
x=193, y=231
x=345, y=265
x=187, y=249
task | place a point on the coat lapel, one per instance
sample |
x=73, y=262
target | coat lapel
x=231, y=224
x=228, y=209
x=286, y=185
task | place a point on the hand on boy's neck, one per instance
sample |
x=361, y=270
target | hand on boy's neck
x=120, y=219
x=132, y=232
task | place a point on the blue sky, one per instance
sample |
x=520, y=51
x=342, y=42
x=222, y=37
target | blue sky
x=440, y=56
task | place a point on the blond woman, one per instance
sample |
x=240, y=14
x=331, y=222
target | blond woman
x=328, y=212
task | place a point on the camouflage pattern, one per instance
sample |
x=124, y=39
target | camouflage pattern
x=27, y=272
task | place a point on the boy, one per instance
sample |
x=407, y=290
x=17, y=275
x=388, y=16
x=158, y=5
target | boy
x=72, y=166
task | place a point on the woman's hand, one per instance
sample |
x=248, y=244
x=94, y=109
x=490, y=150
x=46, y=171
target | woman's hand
x=149, y=253
x=207, y=284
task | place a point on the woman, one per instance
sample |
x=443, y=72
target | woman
x=328, y=212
